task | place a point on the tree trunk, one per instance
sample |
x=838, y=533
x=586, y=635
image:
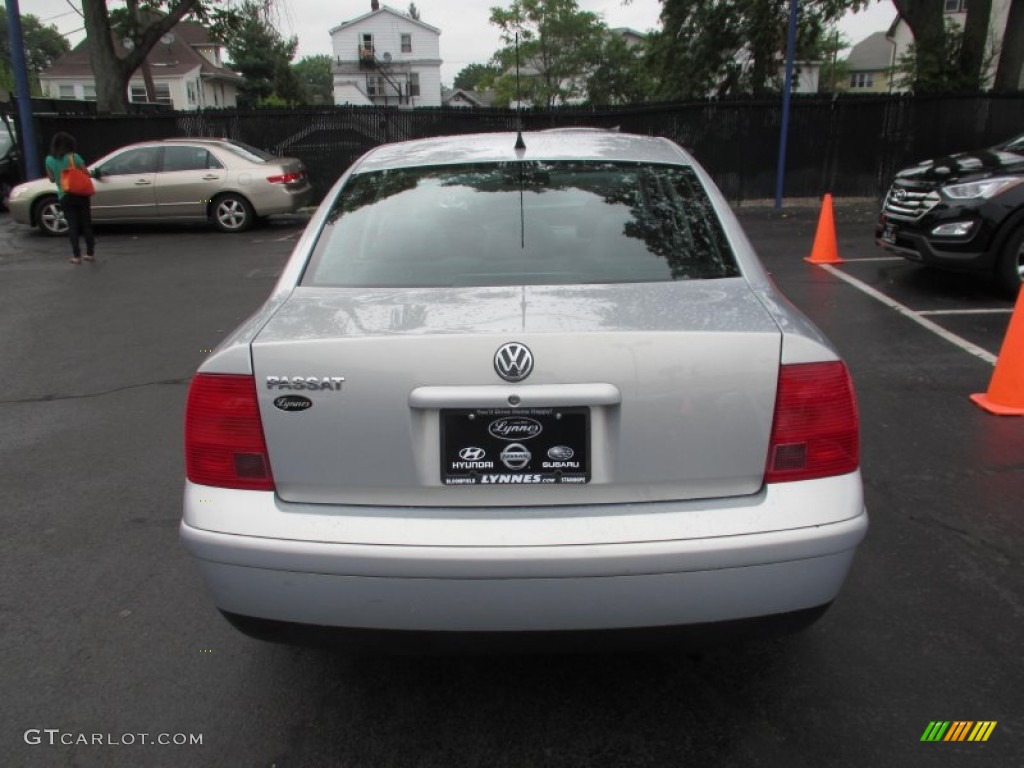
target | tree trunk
x=112, y=73
x=975, y=40
x=925, y=19
x=111, y=79
x=147, y=75
x=1011, y=58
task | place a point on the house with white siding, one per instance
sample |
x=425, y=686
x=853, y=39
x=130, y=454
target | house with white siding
x=902, y=37
x=186, y=65
x=386, y=57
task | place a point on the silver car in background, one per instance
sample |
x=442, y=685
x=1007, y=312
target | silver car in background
x=223, y=181
x=505, y=391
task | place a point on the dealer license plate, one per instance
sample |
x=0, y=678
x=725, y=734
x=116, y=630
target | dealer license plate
x=515, y=446
x=889, y=233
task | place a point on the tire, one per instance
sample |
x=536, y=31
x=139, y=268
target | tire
x=5, y=191
x=232, y=213
x=49, y=217
x=1010, y=268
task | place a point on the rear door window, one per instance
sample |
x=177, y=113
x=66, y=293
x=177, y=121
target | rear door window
x=521, y=223
x=178, y=158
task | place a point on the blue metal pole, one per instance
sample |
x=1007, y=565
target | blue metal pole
x=780, y=171
x=21, y=91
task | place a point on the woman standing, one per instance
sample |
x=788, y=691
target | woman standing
x=77, y=208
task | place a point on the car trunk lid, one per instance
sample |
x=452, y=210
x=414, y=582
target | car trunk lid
x=669, y=388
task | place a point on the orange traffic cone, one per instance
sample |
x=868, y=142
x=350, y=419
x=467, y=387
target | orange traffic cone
x=1005, y=394
x=825, y=250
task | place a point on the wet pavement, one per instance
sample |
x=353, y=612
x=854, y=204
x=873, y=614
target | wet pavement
x=107, y=630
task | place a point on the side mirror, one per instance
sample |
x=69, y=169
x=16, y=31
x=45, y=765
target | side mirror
x=97, y=173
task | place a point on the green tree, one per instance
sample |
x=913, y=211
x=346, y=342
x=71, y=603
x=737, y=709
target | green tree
x=558, y=46
x=718, y=47
x=262, y=56
x=945, y=56
x=476, y=76
x=621, y=77
x=928, y=67
x=314, y=74
x=834, y=71
x=43, y=43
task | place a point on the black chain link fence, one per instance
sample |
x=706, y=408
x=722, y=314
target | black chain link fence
x=847, y=145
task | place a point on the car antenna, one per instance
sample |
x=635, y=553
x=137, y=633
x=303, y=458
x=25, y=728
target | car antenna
x=520, y=144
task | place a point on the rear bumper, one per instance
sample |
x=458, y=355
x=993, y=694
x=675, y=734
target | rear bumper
x=472, y=588
x=282, y=199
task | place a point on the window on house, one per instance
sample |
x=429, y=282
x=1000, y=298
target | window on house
x=375, y=85
x=414, y=83
x=862, y=80
x=89, y=92
x=163, y=93
x=366, y=46
x=136, y=93
x=955, y=6
x=190, y=92
x=406, y=43
x=65, y=91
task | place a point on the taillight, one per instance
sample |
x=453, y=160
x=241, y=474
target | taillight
x=224, y=443
x=816, y=429
x=286, y=178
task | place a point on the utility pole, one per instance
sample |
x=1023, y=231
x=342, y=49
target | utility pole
x=21, y=91
x=780, y=171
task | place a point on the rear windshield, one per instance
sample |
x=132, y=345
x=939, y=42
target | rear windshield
x=520, y=223
x=250, y=153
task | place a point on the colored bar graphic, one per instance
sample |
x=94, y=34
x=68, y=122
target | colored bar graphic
x=982, y=730
x=958, y=730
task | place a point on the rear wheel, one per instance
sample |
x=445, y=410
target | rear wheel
x=232, y=213
x=1010, y=269
x=49, y=217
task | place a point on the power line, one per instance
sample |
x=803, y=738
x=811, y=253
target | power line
x=59, y=15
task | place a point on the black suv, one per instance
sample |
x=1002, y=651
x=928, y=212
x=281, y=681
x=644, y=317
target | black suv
x=964, y=212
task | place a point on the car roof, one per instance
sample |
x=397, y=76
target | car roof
x=559, y=144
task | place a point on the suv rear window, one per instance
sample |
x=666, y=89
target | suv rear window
x=521, y=223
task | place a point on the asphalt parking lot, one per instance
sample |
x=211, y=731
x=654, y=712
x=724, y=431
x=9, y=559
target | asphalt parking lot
x=107, y=630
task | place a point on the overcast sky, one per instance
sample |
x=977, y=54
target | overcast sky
x=466, y=35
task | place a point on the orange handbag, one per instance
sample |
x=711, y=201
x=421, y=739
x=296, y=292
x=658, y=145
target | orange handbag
x=75, y=180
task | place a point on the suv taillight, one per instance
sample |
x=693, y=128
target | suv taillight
x=816, y=430
x=224, y=443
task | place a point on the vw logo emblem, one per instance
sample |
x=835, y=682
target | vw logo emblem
x=513, y=361
x=472, y=454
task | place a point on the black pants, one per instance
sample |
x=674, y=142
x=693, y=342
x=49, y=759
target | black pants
x=78, y=214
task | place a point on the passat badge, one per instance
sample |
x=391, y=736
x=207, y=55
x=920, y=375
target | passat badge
x=292, y=403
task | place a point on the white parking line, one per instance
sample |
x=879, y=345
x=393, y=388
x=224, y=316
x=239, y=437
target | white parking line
x=993, y=311
x=876, y=258
x=906, y=311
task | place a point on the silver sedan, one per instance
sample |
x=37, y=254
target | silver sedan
x=223, y=181
x=508, y=390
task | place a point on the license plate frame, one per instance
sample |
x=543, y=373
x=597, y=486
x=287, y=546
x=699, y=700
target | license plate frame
x=889, y=234
x=515, y=446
